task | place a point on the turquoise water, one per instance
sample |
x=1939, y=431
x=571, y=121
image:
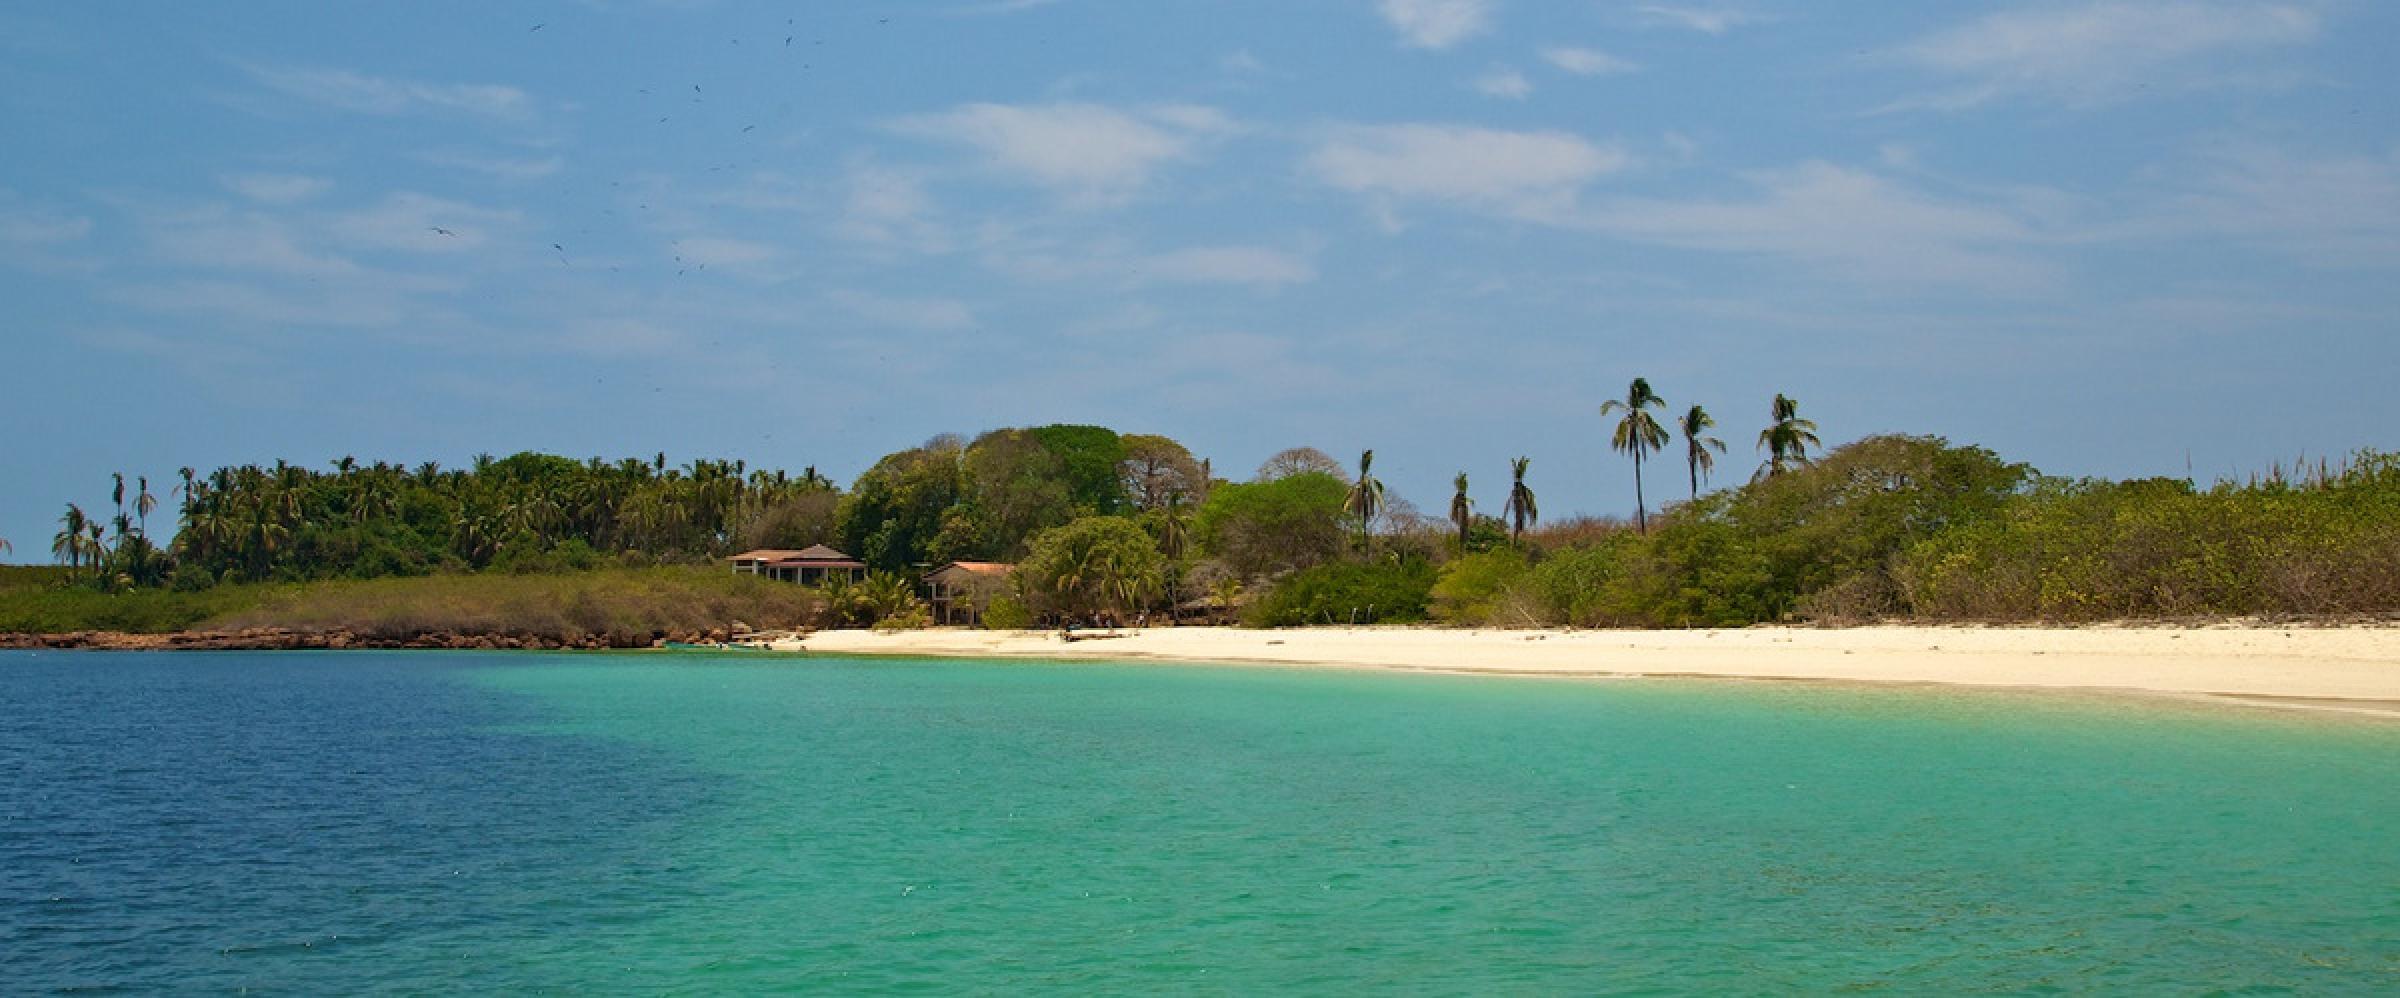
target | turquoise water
x=690, y=823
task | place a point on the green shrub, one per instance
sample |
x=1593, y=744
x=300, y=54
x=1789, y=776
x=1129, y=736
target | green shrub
x=2096, y=550
x=1379, y=592
x=1007, y=613
x=1486, y=589
x=882, y=597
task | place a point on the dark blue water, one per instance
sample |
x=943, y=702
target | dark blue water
x=313, y=821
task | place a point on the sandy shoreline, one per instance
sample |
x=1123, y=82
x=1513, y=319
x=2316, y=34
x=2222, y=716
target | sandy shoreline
x=2350, y=668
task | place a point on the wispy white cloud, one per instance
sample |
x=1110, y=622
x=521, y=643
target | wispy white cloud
x=421, y=223
x=1241, y=63
x=2337, y=211
x=724, y=251
x=214, y=237
x=889, y=208
x=276, y=188
x=1849, y=221
x=28, y=224
x=1436, y=24
x=621, y=336
x=1252, y=265
x=252, y=304
x=499, y=167
x=1586, y=62
x=1504, y=83
x=1124, y=265
x=1004, y=6
x=43, y=238
x=1706, y=20
x=2101, y=53
x=345, y=90
x=1087, y=152
x=931, y=314
x=1517, y=172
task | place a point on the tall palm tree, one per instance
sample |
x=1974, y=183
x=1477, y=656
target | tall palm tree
x=67, y=546
x=1174, y=538
x=1462, y=509
x=143, y=503
x=1638, y=434
x=191, y=480
x=1787, y=439
x=1696, y=445
x=261, y=540
x=1520, y=509
x=1365, y=500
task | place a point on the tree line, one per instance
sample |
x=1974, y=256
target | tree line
x=1103, y=523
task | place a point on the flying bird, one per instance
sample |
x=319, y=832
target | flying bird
x=748, y=127
x=439, y=231
x=535, y=28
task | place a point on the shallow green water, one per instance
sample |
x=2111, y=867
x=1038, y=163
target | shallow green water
x=704, y=824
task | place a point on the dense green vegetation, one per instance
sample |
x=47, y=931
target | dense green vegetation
x=1913, y=528
x=1103, y=524
x=41, y=601
x=627, y=606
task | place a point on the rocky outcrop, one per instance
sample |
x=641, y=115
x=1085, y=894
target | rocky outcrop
x=285, y=639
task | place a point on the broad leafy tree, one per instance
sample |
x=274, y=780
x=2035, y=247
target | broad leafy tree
x=1157, y=469
x=1261, y=529
x=1092, y=565
x=1298, y=460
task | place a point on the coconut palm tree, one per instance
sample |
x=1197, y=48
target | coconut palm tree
x=1174, y=538
x=67, y=546
x=1786, y=440
x=191, y=480
x=1365, y=500
x=1637, y=434
x=1696, y=445
x=1520, y=509
x=143, y=503
x=262, y=538
x=1462, y=509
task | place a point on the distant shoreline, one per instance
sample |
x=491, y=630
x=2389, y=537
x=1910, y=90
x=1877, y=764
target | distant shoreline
x=2353, y=668
x=2348, y=668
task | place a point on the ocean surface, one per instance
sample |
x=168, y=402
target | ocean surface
x=362, y=821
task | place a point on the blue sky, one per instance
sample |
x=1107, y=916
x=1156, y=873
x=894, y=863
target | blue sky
x=2105, y=238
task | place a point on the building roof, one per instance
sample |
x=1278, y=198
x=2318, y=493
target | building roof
x=764, y=554
x=977, y=568
x=815, y=563
x=814, y=554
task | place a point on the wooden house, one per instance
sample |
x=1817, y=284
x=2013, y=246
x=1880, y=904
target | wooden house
x=959, y=591
x=810, y=566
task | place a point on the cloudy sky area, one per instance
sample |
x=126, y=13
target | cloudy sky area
x=2105, y=238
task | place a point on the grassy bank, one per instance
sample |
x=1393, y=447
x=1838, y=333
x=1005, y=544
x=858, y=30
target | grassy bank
x=620, y=602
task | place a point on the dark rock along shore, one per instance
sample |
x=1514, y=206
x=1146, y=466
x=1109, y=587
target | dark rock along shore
x=285, y=639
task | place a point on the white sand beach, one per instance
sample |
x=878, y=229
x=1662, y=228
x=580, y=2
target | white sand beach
x=2351, y=668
